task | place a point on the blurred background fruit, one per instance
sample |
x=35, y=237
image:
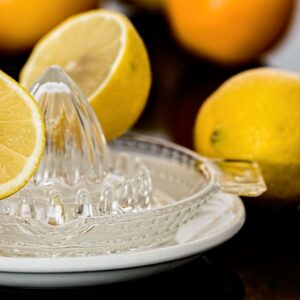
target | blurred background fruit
x=255, y=115
x=229, y=31
x=23, y=23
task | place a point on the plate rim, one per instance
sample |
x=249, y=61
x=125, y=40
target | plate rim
x=125, y=260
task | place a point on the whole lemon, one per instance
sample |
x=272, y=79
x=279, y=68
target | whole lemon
x=228, y=31
x=255, y=115
x=23, y=23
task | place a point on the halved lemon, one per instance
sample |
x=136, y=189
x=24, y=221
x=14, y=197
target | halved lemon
x=22, y=136
x=105, y=56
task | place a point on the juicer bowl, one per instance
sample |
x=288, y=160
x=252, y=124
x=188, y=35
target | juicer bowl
x=89, y=198
x=182, y=181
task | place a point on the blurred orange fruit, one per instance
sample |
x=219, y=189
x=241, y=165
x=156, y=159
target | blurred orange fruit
x=24, y=22
x=229, y=31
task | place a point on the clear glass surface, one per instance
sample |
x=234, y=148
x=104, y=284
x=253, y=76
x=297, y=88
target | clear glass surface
x=88, y=198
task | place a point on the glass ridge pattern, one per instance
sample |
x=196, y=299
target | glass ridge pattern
x=88, y=198
x=76, y=178
x=118, y=232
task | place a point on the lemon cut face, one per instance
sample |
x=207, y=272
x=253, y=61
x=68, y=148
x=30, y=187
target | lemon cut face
x=22, y=136
x=105, y=56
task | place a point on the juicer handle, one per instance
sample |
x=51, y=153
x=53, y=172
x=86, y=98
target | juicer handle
x=240, y=177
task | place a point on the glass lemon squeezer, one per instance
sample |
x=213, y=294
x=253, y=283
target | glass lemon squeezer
x=90, y=198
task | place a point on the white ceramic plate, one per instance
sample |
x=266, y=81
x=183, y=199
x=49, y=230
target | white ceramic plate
x=221, y=219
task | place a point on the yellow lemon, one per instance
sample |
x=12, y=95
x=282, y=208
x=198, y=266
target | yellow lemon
x=106, y=57
x=255, y=115
x=22, y=136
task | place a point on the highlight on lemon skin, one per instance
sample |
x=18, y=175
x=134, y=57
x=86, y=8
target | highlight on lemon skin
x=104, y=54
x=255, y=116
x=22, y=136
